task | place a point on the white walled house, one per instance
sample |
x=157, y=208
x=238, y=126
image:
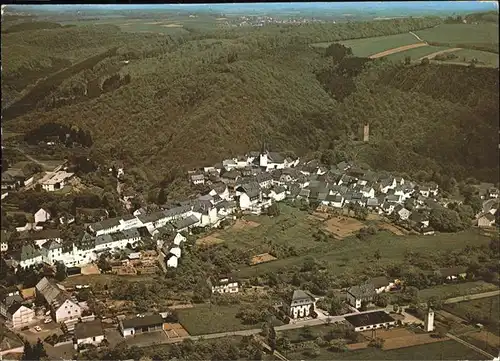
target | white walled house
x=41, y=216
x=223, y=285
x=278, y=194
x=250, y=195
x=272, y=160
x=65, y=308
x=88, y=333
x=370, y=321
x=30, y=256
x=172, y=261
x=300, y=304
x=362, y=293
x=19, y=315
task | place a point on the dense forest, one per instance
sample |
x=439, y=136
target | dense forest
x=192, y=96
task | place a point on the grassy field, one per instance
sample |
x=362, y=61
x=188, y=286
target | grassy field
x=455, y=290
x=294, y=228
x=415, y=54
x=483, y=57
x=470, y=34
x=480, y=310
x=205, y=319
x=370, y=46
x=446, y=350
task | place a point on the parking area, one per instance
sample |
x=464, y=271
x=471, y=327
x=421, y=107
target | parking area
x=40, y=330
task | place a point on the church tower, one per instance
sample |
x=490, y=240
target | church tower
x=429, y=321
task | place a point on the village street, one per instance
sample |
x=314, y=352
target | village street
x=147, y=340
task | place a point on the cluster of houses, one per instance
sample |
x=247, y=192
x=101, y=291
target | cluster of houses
x=250, y=184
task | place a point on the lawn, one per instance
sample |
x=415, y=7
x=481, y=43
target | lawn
x=206, y=319
x=369, y=46
x=455, y=290
x=467, y=34
x=446, y=350
x=414, y=54
x=480, y=311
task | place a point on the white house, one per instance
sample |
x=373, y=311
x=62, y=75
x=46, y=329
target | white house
x=356, y=295
x=250, y=195
x=368, y=192
x=20, y=315
x=178, y=239
x=172, y=260
x=30, y=256
x=272, y=160
x=370, y=321
x=402, y=212
x=197, y=179
x=486, y=220
x=141, y=324
x=88, y=333
x=55, y=181
x=387, y=184
x=223, y=285
x=300, y=305
x=65, y=308
x=493, y=193
x=41, y=216
x=425, y=191
x=277, y=194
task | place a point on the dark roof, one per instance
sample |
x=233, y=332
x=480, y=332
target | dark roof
x=362, y=291
x=29, y=252
x=252, y=189
x=186, y=222
x=46, y=234
x=300, y=297
x=275, y=157
x=370, y=318
x=88, y=329
x=13, y=308
x=145, y=321
x=105, y=224
x=452, y=271
x=263, y=177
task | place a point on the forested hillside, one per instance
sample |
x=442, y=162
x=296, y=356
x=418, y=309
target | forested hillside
x=193, y=100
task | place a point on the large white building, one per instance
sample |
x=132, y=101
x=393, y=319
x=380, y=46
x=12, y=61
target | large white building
x=88, y=333
x=300, y=305
x=223, y=285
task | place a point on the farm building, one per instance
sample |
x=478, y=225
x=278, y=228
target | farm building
x=54, y=181
x=370, y=321
x=141, y=324
x=88, y=333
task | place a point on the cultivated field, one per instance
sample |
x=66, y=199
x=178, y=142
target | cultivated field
x=244, y=224
x=261, y=258
x=480, y=311
x=209, y=240
x=296, y=228
x=415, y=53
x=342, y=227
x=467, y=34
x=369, y=46
x=397, y=50
x=174, y=330
x=205, y=319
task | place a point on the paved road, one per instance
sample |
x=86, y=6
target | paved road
x=317, y=321
x=472, y=297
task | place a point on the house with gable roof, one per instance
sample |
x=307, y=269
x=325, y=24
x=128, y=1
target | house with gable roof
x=300, y=304
x=250, y=195
x=361, y=293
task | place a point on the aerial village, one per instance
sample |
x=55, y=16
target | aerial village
x=250, y=184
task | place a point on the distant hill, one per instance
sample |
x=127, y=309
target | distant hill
x=196, y=100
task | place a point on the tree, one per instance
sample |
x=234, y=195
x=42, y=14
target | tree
x=381, y=300
x=445, y=220
x=425, y=61
x=337, y=345
x=103, y=264
x=61, y=272
x=407, y=60
x=337, y=52
x=162, y=196
x=273, y=210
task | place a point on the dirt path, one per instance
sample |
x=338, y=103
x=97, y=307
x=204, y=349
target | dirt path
x=33, y=159
x=430, y=56
x=416, y=36
x=397, y=50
